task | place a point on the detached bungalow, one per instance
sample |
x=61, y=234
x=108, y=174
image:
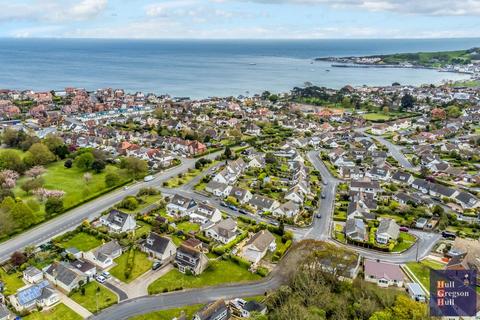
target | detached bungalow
x=258, y=245
x=383, y=274
x=103, y=257
x=387, y=230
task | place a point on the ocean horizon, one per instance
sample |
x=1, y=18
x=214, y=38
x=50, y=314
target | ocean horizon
x=203, y=68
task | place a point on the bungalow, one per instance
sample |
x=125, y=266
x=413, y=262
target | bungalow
x=405, y=199
x=288, y=210
x=204, y=213
x=355, y=229
x=159, y=247
x=103, y=256
x=365, y=186
x=218, y=189
x=379, y=129
x=438, y=190
x=263, y=204
x=387, y=230
x=378, y=173
x=295, y=194
x=257, y=161
x=180, y=205
x=241, y=195
x=224, y=231
x=416, y=292
x=189, y=259
x=258, y=245
x=117, y=221
x=467, y=200
x=64, y=276
x=4, y=312
x=88, y=269
x=40, y=295
x=403, y=178
x=217, y=310
x=358, y=209
x=383, y=274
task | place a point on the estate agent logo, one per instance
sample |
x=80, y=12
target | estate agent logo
x=452, y=293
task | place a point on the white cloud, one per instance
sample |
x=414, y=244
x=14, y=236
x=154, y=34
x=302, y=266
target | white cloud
x=422, y=7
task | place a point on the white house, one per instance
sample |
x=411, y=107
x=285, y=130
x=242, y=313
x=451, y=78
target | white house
x=387, y=230
x=204, y=213
x=224, y=231
x=103, y=256
x=117, y=221
x=32, y=275
x=40, y=295
x=258, y=245
x=159, y=247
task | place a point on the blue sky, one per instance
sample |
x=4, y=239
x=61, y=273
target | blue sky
x=240, y=18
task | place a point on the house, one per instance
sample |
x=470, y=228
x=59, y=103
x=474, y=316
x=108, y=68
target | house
x=365, y=186
x=295, y=194
x=218, y=189
x=241, y=195
x=190, y=259
x=117, y=221
x=40, y=295
x=88, y=269
x=257, y=161
x=244, y=309
x=64, y=276
x=32, y=275
x=217, y=310
x=258, y=245
x=383, y=274
x=4, y=312
x=103, y=256
x=467, y=200
x=402, y=178
x=288, y=209
x=355, y=229
x=224, y=231
x=414, y=290
x=159, y=247
x=378, y=173
x=406, y=199
x=180, y=205
x=204, y=213
x=263, y=204
x=387, y=230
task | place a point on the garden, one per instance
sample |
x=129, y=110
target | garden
x=95, y=297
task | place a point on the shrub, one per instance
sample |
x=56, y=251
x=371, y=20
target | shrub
x=240, y=261
x=262, y=271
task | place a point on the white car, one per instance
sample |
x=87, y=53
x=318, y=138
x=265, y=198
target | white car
x=100, y=279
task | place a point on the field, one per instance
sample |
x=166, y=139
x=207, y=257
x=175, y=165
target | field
x=82, y=241
x=141, y=265
x=189, y=311
x=94, y=297
x=222, y=271
x=407, y=241
x=380, y=116
x=59, y=312
x=422, y=270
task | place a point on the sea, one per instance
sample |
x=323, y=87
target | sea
x=206, y=68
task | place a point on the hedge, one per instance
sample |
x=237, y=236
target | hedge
x=222, y=249
x=240, y=261
x=262, y=271
x=281, y=251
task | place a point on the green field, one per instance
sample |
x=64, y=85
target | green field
x=186, y=226
x=431, y=59
x=82, y=241
x=169, y=314
x=12, y=282
x=407, y=241
x=422, y=270
x=141, y=265
x=93, y=298
x=222, y=271
x=59, y=312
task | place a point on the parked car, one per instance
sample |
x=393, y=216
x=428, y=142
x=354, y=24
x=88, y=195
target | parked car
x=319, y=216
x=106, y=274
x=242, y=211
x=223, y=204
x=148, y=178
x=448, y=235
x=100, y=279
x=324, y=183
x=404, y=229
x=233, y=207
x=323, y=195
x=156, y=265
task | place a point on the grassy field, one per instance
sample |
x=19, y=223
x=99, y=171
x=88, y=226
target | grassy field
x=186, y=226
x=71, y=181
x=188, y=176
x=147, y=201
x=82, y=241
x=223, y=271
x=141, y=265
x=169, y=314
x=12, y=281
x=59, y=312
x=407, y=241
x=104, y=297
x=422, y=270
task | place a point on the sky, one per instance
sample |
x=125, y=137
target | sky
x=240, y=19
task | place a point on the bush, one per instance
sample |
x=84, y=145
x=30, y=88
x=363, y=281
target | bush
x=240, y=261
x=148, y=192
x=262, y=271
x=129, y=203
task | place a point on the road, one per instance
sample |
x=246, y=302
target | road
x=89, y=211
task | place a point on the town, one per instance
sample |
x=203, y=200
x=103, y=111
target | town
x=119, y=205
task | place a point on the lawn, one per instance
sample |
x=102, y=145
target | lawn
x=59, y=312
x=93, y=296
x=141, y=264
x=188, y=176
x=12, y=281
x=144, y=229
x=422, y=270
x=407, y=241
x=71, y=181
x=147, y=201
x=223, y=271
x=82, y=241
x=170, y=313
x=186, y=226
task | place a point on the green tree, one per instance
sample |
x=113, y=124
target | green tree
x=53, y=206
x=22, y=215
x=112, y=179
x=135, y=167
x=407, y=101
x=52, y=141
x=32, y=184
x=453, y=112
x=38, y=154
x=129, y=203
x=9, y=159
x=84, y=161
x=98, y=165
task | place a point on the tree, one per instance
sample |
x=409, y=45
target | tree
x=228, y=152
x=52, y=141
x=453, y=112
x=135, y=167
x=84, y=161
x=53, y=206
x=35, y=172
x=98, y=165
x=129, y=203
x=38, y=154
x=68, y=163
x=32, y=184
x=18, y=258
x=22, y=215
x=9, y=159
x=112, y=179
x=61, y=151
x=407, y=101
x=12, y=138
x=270, y=158
x=8, y=179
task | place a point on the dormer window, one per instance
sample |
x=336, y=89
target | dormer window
x=150, y=242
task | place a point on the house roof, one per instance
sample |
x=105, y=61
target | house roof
x=383, y=270
x=261, y=240
x=117, y=218
x=181, y=201
x=261, y=202
x=107, y=250
x=390, y=227
x=32, y=293
x=83, y=265
x=62, y=273
x=157, y=243
x=212, y=310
